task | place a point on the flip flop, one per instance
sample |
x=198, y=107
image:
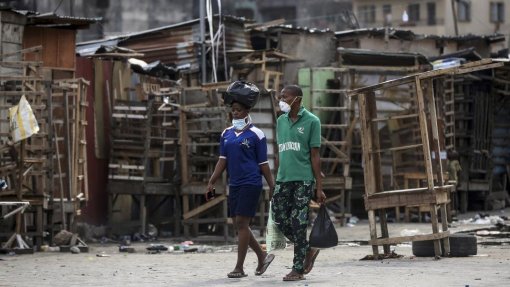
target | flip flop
x=312, y=261
x=296, y=277
x=236, y=274
x=267, y=261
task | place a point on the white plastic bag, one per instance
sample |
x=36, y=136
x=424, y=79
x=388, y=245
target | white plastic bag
x=274, y=237
x=23, y=123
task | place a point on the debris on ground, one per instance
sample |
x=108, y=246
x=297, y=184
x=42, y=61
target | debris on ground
x=391, y=255
x=482, y=218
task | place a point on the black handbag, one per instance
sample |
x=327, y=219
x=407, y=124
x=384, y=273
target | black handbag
x=323, y=233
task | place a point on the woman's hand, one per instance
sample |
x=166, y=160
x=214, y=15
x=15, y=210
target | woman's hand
x=271, y=191
x=210, y=188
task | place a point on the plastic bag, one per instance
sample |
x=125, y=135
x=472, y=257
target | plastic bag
x=274, y=237
x=323, y=234
x=22, y=121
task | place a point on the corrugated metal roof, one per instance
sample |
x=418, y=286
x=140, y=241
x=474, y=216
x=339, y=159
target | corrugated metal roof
x=51, y=19
x=177, y=44
x=410, y=35
x=378, y=58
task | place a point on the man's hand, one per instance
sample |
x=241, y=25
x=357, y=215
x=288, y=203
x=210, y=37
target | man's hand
x=321, y=197
x=271, y=191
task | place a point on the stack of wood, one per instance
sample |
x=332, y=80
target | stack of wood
x=48, y=169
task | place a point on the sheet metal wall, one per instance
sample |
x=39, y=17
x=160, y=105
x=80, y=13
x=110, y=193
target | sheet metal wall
x=95, y=212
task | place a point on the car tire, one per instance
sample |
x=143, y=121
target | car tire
x=461, y=245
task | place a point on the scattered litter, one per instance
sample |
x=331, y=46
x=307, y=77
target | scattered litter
x=391, y=255
x=353, y=220
x=102, y=254
x=484, y=219
x=75, y=250
x=194, y=249
x=62, y=238
x=127, y=249
x=487, y=233
x=405, y=245
x=350, y=244
x=157, y=248
x=409, y=232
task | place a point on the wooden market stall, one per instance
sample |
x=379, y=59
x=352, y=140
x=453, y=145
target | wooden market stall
x=435, y=194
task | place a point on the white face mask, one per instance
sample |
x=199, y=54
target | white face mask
x=240, y=124
x=284, y=107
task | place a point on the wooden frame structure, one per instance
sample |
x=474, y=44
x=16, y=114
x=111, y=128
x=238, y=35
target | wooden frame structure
x=48, y=170
x=202, y=120
x=144, y=150
x=435, y=194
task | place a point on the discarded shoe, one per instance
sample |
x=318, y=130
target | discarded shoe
x=157, y=247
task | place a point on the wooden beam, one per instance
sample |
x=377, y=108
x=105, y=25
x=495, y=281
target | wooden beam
x=204, y=207
x=424, y=133
x=400, y=239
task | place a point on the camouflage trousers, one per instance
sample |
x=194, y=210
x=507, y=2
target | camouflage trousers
x=290, y=204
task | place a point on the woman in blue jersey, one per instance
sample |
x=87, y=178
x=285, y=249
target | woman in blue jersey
x=243, y=152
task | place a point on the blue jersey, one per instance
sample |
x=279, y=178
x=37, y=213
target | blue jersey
x=244, y=152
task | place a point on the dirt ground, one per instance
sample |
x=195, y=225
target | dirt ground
x=338, y=266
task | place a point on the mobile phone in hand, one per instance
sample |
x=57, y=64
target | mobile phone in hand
x=210, y=194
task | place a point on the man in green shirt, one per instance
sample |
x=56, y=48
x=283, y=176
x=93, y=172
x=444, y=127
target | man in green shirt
x=298, y=171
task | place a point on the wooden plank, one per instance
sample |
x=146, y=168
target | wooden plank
x=204, y=207
x=330, y=109
x=389, y=200
x=23, y=51
x=126, y=177
x=429, y=93
x=333, y=126
x=373, y=232
x=435, y=229
x=444, y=223
x=366, y=142
x=401, y=239
x=330, y=91
x=397, y=117
x=397, y=148
x=424, y=133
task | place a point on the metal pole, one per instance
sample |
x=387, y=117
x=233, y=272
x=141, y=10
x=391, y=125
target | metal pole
x=202, y=40
x=71, y=7
x=68, y=143
x=19, y=191
x=455, y=18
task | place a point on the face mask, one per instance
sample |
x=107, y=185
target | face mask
x=284, y=107
x=240, y=124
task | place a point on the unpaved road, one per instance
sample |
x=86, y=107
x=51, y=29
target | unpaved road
x=339, y=266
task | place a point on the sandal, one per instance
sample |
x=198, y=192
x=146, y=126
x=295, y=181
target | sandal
x=236, y=274
x=269, y=258
x=293, y=277
x=312, y=261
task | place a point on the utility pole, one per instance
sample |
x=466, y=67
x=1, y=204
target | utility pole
x=202, y=40
x=454, y=12
x=71, y=7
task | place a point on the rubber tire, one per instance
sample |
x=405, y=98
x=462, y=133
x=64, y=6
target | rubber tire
x=461, y=245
